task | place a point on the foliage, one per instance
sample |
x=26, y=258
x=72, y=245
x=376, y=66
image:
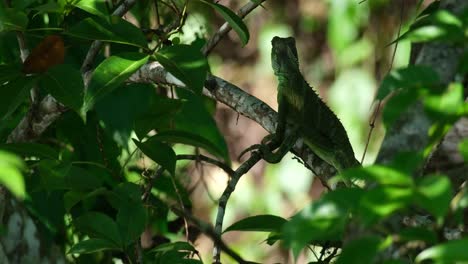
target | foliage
x=86, y=187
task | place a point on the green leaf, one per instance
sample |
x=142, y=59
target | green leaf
x=324, y=219
x=31, y=150
x=112, y=29
x=111, y=73
x=450, y=252
x=260, y=223
x=233, y=20
x=447, y=106
x=185, y=62
x=397, y=105
x=95, y=7
x=411, y=77
x=12, y=20
x=99, y=225
x=159, y=152
x=417, y=234
x=360, y=251
x=92, y=245
x=64, y=82
x=120, y=109
x=463, y=148
x=380, y=174
x=11, y=176
x=440, y=25
x=434, y=193
x=13, y=93
x=71, y=198
x=131, y=220
x=192, y=139
x=382, y=201
x=9, y=72
x=62, y=175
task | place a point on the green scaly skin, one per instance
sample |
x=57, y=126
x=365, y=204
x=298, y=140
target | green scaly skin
x=300, y=107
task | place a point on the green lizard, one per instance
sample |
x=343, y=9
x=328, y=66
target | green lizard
x=300, y=107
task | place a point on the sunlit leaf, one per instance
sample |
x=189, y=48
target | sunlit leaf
x=95, y=7
x=449, y=252
x=111, y=73
x=434, y=193
x=11, y=173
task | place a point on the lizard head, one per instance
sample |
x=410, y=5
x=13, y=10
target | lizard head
x=284, y=56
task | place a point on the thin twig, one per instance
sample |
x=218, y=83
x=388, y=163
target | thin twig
x=231, y=186
x=96, y=45
x=225, y=28
x=210, y=232
x=376, y=112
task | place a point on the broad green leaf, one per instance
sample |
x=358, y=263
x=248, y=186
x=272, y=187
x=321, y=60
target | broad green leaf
x=159, y=152
x=31, y=150
x=463, y=148
x=95, y=7
x=411, y=77
x=62, y=175
x=407, y=162
x=260, y=223
x=50, y=7
x=382, y=201
x=447, y=106
x=397, y=105
x=131, y=220
x=434, y=193
x=111, y=73
x=449, y=252
x=160, y=116
x=64, y=82
x=185, y=62
x=13, y=93
x=71, y=198
x=92, y=245
x=11, y=173
x=113, y=29
x=234, y=21
x=324, y=219
x=9, y=72
x=380, y=174
x=12, y=19
x=99, y=225
x=120, y=109
x=440, y=25
x=192, y=139
x=417, y=234
x=360, y=251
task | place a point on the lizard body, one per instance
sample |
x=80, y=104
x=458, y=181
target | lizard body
x=300, y=107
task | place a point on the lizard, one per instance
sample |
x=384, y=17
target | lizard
x=300, y=107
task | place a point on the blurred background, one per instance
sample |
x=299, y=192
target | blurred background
x=344, y=53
